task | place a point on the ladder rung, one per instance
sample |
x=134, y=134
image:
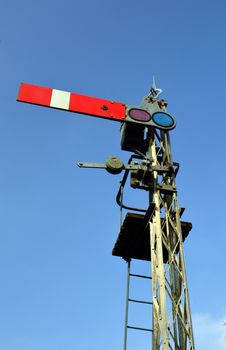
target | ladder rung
x=140, y=301
x=141, y=276
x=141, y=329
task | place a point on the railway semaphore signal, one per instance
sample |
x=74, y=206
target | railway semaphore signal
x=155, y=233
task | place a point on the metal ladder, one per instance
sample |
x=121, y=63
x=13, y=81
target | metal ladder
x=128, y=300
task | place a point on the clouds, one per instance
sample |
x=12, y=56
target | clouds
x=209, y=332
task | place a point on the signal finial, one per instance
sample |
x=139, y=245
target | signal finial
x=154, y=91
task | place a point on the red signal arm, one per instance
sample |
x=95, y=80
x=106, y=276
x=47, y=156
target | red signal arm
x=72, y=102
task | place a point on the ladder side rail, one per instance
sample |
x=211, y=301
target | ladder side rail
x=127, y=305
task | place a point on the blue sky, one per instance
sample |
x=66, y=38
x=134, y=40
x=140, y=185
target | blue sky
x=60, y=286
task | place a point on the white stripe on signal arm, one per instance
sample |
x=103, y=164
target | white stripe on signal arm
x=60, y=99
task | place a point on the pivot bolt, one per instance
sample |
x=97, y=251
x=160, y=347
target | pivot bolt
x=104, y=107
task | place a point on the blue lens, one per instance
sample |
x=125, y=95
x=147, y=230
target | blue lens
x=163, y=119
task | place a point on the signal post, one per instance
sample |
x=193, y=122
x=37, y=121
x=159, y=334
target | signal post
x=155, y=233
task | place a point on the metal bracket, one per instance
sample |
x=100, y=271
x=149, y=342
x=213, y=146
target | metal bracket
x=165, y=188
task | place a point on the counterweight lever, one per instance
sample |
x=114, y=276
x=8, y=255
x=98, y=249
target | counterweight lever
x=115, y=165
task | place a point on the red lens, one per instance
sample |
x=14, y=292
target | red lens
x=139, y=115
